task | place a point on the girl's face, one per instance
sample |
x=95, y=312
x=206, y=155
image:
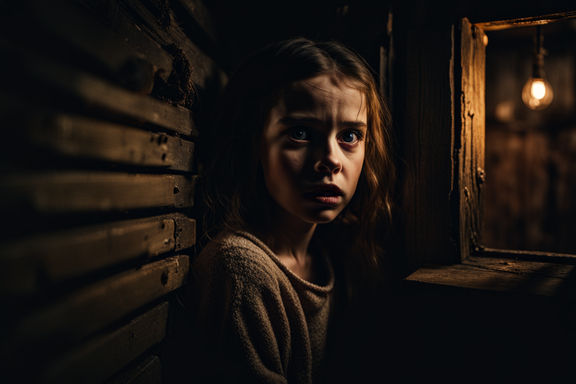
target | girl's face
x=312, y=148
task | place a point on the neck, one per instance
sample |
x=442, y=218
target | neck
x=290, y=237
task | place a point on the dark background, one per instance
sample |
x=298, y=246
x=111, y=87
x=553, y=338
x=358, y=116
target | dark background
x=401, y=332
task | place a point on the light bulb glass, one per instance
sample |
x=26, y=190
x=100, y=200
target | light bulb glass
x=537, y=93
x=538, y=89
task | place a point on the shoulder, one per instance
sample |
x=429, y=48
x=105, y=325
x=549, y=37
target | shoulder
x=237, y=254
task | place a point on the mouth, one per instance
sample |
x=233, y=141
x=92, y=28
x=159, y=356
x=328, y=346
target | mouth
x=326, y=194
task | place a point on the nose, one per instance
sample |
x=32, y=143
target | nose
x=328, y=160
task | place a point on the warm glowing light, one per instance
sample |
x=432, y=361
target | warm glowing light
x=537, y=93
x=538, y=90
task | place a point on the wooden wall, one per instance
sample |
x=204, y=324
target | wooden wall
x=99, y=110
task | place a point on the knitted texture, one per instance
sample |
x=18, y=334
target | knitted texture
x=254, y=320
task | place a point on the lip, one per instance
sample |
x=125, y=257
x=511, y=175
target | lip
x=326, y=194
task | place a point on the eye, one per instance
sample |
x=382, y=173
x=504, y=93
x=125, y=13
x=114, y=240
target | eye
x=350, y=136
x=299, y=134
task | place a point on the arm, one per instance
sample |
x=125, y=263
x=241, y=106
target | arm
x=242, y=330
x=257, y=336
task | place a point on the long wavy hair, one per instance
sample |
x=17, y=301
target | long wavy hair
x=234, y=191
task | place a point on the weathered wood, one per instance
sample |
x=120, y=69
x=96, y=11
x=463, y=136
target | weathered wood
x=88, y=138
x=184, y=232
x=473, y=277
x=102, y=357
x=427, y=94
x=99, y=93
x=202, y=67
x=501, y=262
x=496, y=25
x=95, y=191
x=53, y=257
x=112, y=43
x=386, y=62
x=198, y=11
x=148, y=371
x=90, y=309
x=525, y=255
x=469, y=132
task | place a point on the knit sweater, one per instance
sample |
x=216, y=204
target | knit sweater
x=255, y=320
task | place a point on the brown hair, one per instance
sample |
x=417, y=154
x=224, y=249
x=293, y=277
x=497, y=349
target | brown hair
x=235, y=193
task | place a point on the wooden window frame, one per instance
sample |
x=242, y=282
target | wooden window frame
x=452, y=254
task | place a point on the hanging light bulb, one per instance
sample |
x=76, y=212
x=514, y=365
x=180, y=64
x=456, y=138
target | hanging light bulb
x=537, y=93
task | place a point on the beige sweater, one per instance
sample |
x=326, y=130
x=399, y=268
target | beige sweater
x=255, y=320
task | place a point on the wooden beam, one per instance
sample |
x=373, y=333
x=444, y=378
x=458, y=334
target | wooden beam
x=113, y=43
x=202, y=67
x=148, y=371
x=552, y=257
x=469, y=135
x=426, y=96
x=474, y=277
x=68, y=192
x=100, y=358
x=547, y=268
x=184, y=231
x=83, y=137
x=198, y=11
x=497, y=25
x=29, y=264
x=96, y=92
x=92, y=308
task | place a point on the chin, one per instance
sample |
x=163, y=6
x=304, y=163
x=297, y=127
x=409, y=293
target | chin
x=323, y=217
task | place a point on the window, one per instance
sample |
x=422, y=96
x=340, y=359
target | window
x=446, y=174
x=479, y=196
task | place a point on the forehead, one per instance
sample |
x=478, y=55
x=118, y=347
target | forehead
x=325, y=92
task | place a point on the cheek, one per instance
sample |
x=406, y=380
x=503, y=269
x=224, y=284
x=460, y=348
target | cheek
x=283, y=167
x=286, y=163
x=292, y=161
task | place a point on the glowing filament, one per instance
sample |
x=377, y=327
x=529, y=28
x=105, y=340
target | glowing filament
x=537, y=93
x=538, y=90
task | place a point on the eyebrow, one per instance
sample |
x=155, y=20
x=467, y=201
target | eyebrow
x=291, y=120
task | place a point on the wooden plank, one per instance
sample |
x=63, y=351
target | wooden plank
x=202, y=68
x=184, y=232
x=566, y=258
x=92, y=308
x=148, y=371
x=497, y=25
x=113, y=43
x=427, y=96
x=53, y=257
x=550, y=268
x=469, y=131
x=88, y=138
x=95, y=92
x=102, y=357
x=68, y=192
x=473, y=277
x=198, y=11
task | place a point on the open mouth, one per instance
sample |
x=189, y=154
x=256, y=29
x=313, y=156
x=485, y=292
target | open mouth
x=325, y=194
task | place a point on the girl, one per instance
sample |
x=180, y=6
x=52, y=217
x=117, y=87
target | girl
x=302, y=142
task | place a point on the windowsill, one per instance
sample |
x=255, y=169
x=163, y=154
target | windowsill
x=500, y=275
